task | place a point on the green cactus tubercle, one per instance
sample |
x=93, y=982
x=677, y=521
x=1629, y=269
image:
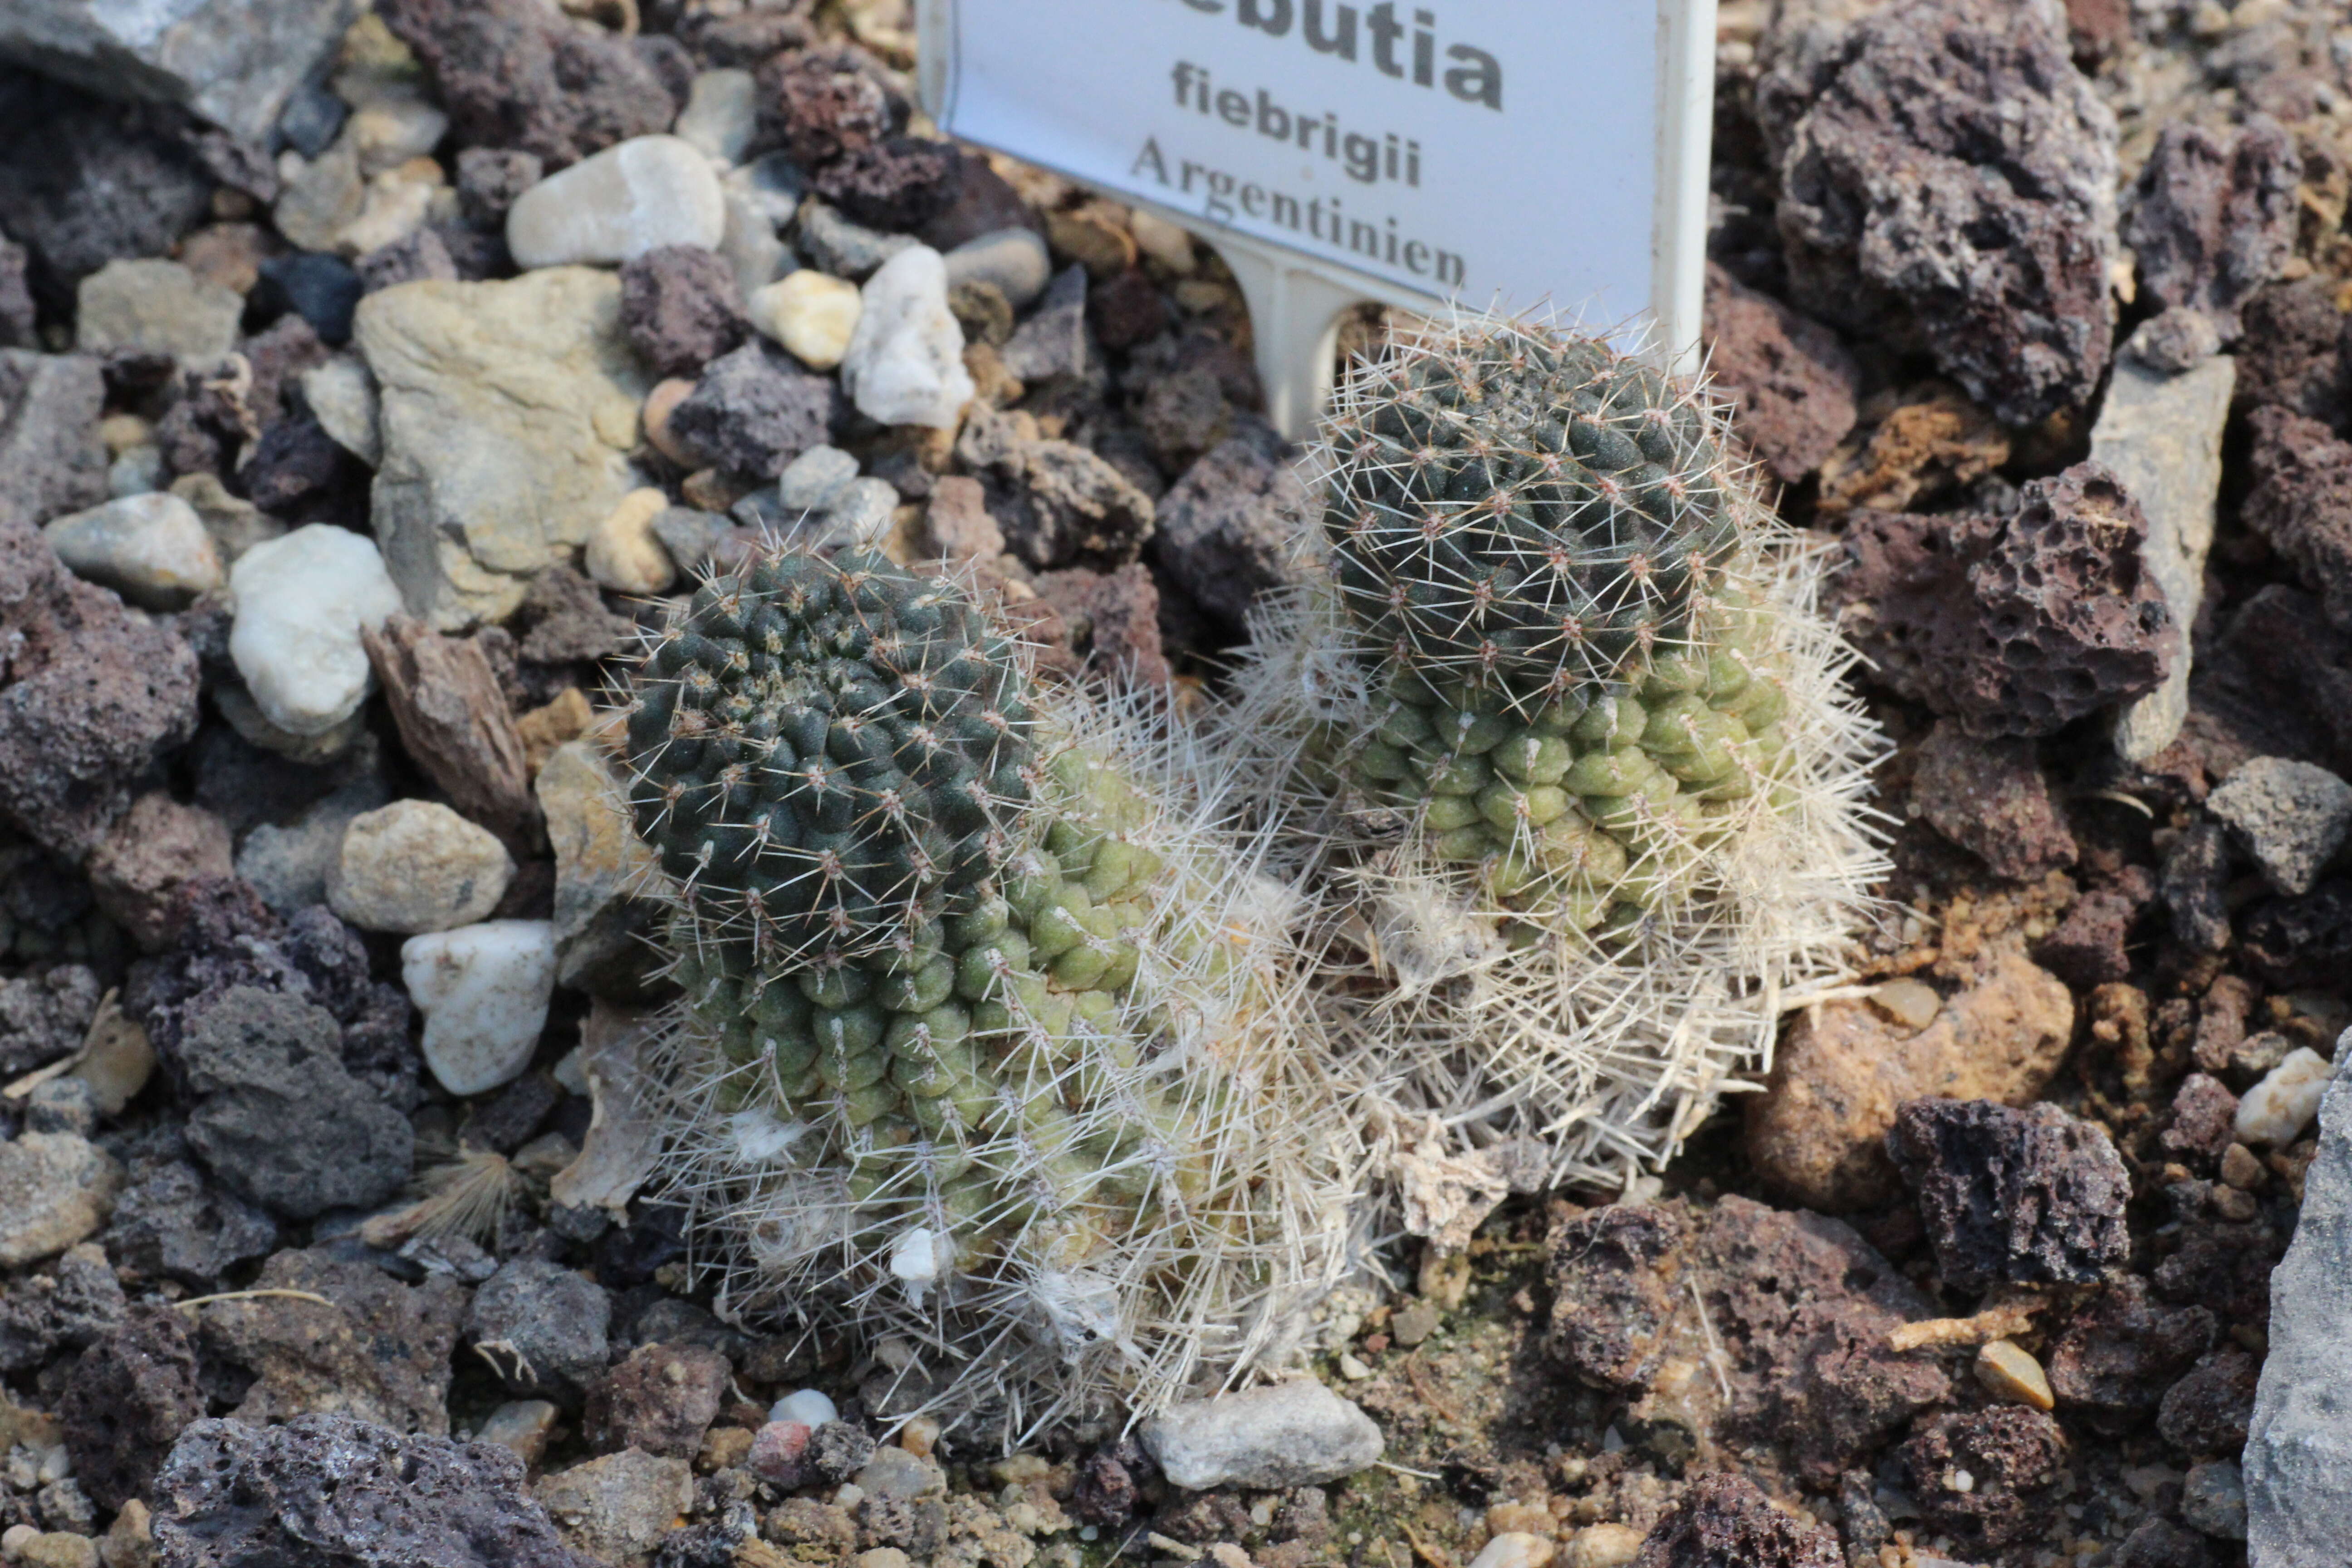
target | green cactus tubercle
x=1539, y=543
x=906, y=914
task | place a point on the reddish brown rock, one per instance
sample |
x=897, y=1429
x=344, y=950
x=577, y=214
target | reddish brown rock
x=2120, y=1351
x=2302, y=503
x=2204, y=1117
x=1791, y=384
x=2095, y=29
x=661, y=1399
x=2017, y=626
x=896, y=185
x=2088, y=949
x=2292, y=357
x=126, y=1400
x=1988, y=796
x=1228, y=529
x=1113, y=620
x=1724, y=1520
x=517, y=74
x=1818, y=1130
x=2204, y=1415
x=2009, y=1196
x=2013, y=1458
x=680, y=309
x=141, y=868
x=823, y=103
x=960, y=528
x=1793, y=1310
x=2213, y=217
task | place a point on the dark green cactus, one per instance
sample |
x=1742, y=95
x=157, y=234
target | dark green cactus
x=1542, y=546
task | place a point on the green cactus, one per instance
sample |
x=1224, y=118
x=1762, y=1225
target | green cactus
x=1555, y=724
x=967, y=1010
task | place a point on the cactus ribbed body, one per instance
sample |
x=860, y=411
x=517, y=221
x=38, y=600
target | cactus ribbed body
x=1544, y=549
x=935, y=945
x=1561, y=739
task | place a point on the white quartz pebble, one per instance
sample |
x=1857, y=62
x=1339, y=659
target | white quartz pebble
x=905, y=362
x=2278, y=1109
x=300, y=604
x=484, y=991
x=644, y=194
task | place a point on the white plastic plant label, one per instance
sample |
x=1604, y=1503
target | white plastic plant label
x=1519, y=153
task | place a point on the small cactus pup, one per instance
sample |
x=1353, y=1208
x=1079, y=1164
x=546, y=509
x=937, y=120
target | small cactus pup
x=1558, y=724
x=987, y=1050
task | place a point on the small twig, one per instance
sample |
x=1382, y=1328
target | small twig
x=1414, y=1373
x=1435, y=1556
x=194, y=1301
x=1995, y=1322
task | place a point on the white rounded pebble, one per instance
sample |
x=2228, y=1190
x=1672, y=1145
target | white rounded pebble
x=720, y=114
x=810, y=481
x=1514, y=1549
x=646, y=192
x=153, y=548
x=624, y=555
x=300, y=602
x=806, y=1405
x=1014, y=259
x=905, y=363
x=2278, y=1109
x=484, y=991
x=1603, y=1546
x=416, y=865
x=813, y=314
x=1163, y=242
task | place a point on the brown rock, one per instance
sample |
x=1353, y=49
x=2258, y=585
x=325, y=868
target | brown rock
x=1990, y=798
x=2119, y=1353
x=2204, y=1415
x=959, y=527
x=661, y=1399
x=681, y=308
x=1113, y=619
x=2014, y=1459
x=2292, y=357
x=2016, y=625
x=126, y=1400
x=823, y=103
x=454, y=720
x=2302, y=503
x=2087, y=948
x=1817, y=1132
x=2213, y=217
x=377, y=1350
x=1724, y=1521
x=2221, y=1021
x=140, y=867
x=1797, y=1311
x=2204, y=1121
x=1791, y=384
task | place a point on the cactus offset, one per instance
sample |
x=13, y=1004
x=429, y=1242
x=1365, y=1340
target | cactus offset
x=980, y=1031
x=1559, y=715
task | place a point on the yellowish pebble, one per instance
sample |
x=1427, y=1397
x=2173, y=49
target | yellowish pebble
x=2012, y=1374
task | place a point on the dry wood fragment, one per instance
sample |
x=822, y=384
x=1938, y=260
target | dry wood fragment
x=455, y=721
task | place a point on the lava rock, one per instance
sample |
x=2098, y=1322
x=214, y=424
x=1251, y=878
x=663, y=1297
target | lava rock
x=490, y=179
x=1286, y=1434
x=2204, y=1120
x=1945, y=170
x=2088, y=949
x=2205, y=1414
x=377, y=1350
x=128, y=1396
x=542, y=1327
x=170, y=1224
x=1792, y=384
x=822, y=104
x=1990, y=797
x=681, y=310
x=1725, y=1519
x=334, y=1489
x=67, y=1306
x=1057, y=503
x=2160, y=1543
x=2292, y=817
x=2305, y=942
x=84, y=181
x=2302, y=503
x=140, y=873
x=2212, y=216
x=1801, y=1304
x=277, y=1117
x=2014, y=1459
x=1225, y=530
x=2292, y=356
x=660, y=1399
x=755, y=410
x=1818, y=1132
x=1111, y=620
x=513, y=74
x=2192, y=879
x=897, y=186
x=2016, y=625
x=2120, y=1351
x=2021, y=1196
x=44, y=1015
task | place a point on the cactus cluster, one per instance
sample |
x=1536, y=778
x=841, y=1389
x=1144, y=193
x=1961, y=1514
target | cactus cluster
x=1555, y=720
x=979, y=1030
